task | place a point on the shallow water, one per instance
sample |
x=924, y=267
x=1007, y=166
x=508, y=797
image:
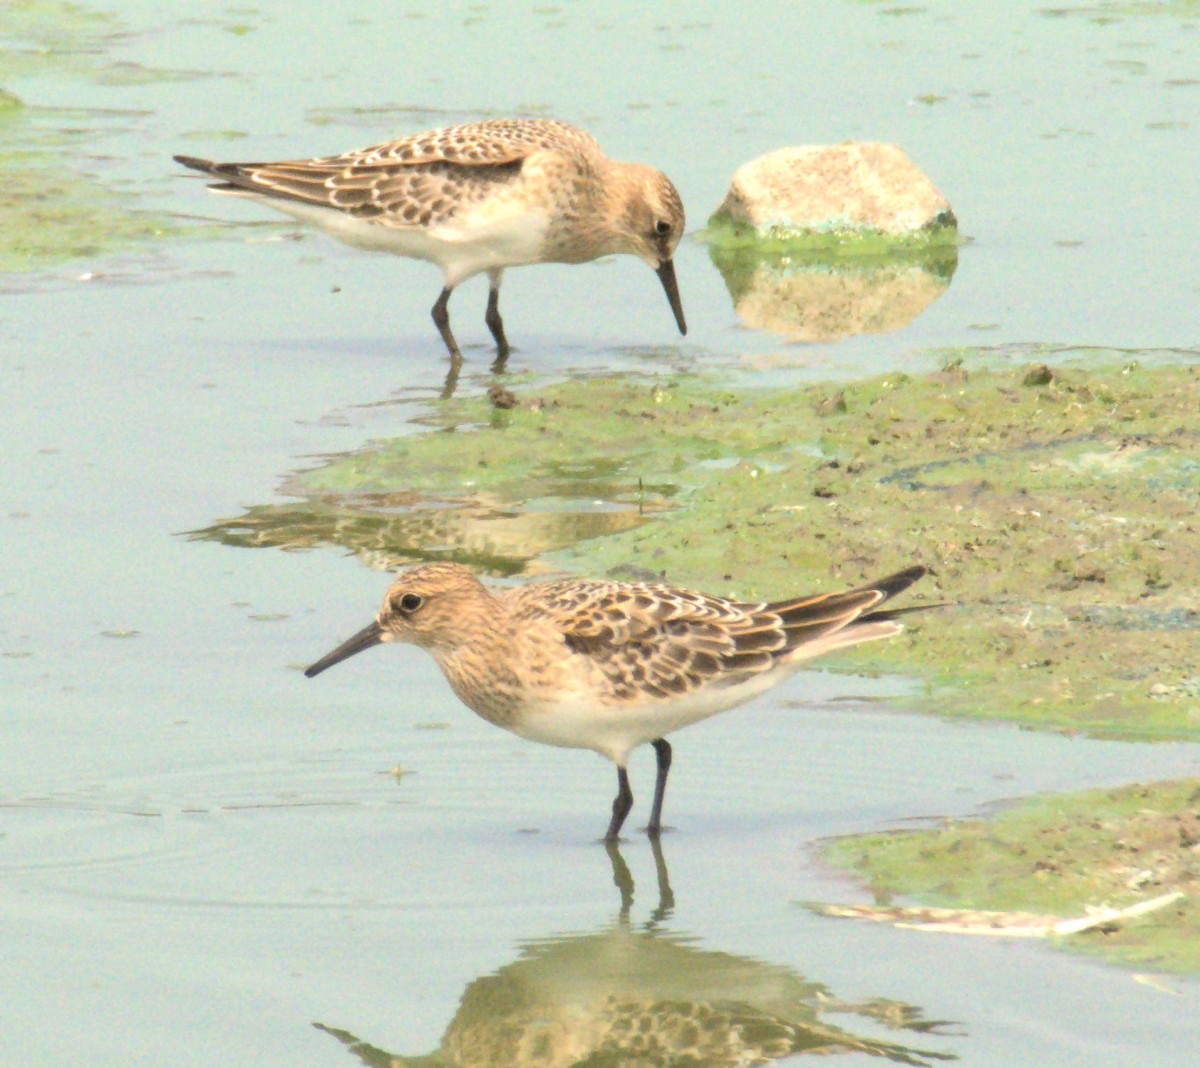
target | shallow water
x=201, y=853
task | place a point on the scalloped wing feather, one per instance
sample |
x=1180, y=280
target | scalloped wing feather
x=665, y=643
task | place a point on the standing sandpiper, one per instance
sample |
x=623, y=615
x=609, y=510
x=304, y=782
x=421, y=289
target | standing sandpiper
x=610, y=666
x=478, y=197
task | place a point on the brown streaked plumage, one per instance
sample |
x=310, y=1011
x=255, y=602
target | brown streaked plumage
x=609, y=665
x=475, y=198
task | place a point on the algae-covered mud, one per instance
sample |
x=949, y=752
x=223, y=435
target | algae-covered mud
x=1060, y=854
x=833, y=241
x=1054, y=507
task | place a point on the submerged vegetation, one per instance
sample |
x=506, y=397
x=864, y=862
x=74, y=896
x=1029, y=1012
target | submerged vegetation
x=48, y=217
x=53, y=208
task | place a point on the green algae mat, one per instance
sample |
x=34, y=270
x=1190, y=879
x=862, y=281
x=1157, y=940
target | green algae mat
x=1060, y=854
x=1056, y=510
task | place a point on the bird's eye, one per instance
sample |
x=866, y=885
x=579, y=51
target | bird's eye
x=410, y=602
x=662, y=227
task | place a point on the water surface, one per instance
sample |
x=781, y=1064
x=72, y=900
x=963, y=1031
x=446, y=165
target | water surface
x=201, y=853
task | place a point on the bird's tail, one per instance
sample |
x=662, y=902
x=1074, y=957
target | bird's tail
x=820, y=624
x=233, y=180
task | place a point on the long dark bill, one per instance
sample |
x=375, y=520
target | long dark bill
x=666, y=275
x=371, y=634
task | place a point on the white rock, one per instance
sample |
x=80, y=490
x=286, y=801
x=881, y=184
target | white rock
x=857, y=185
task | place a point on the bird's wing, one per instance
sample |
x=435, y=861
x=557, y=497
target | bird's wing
x=654, y=642
x=659, y=642
x=415, y=181
x=668, y=642
x=393, y=194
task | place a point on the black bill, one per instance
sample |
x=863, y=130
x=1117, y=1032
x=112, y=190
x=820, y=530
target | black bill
x=371, y=634
x=666, y=275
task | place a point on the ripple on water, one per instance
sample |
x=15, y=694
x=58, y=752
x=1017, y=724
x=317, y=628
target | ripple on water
x=229, y=835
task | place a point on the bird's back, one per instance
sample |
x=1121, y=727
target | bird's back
x=489, y=142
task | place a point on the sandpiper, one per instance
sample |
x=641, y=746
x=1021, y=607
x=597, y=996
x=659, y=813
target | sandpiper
x=610, y=666
x=475, y=198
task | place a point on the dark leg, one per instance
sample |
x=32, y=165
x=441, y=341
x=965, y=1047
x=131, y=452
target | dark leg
x=662, y=750
x=492, y=318
x=441, y=319
x=622, y=803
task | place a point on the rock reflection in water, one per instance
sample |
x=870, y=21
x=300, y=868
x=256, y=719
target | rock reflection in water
x=646, y=997
x=812, y=298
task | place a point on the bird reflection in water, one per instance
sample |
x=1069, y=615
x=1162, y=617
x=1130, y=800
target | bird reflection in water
x=633, y=996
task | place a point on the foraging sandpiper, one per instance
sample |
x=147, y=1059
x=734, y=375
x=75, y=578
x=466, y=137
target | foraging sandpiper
x=478, y=198
x=612, y=665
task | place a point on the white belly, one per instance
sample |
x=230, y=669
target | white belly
x=499, y=233
x=615, y=731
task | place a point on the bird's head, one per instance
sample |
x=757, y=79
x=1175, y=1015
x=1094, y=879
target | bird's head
x=647, y=221
x=436, y=606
